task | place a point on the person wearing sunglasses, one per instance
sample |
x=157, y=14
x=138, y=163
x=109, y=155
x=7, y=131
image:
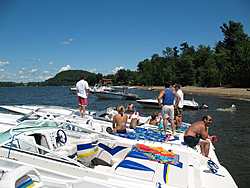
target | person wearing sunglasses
x=197, y=134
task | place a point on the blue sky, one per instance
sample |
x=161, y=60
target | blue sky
x=40, y=38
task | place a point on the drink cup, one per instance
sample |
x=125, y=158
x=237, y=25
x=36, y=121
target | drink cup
x=214, y=138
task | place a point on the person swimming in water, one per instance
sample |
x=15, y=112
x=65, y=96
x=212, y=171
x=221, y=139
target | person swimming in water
x=130, y=108
x=120, y=121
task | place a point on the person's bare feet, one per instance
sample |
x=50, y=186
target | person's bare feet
x=175, y=134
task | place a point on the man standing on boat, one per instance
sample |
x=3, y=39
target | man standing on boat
x=167, y=106
x=82, y=87
x=197, y=134
x=178, y=109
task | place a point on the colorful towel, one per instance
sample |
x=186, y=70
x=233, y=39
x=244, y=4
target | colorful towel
x=158, y=154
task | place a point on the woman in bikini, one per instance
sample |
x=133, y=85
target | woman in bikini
x=120, y=120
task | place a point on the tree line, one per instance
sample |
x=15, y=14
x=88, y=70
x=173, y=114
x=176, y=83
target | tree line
x=228, y=63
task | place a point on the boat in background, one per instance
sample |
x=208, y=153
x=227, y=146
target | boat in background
x=73, y=89
x=104, y=94
x=94, y=88
x=153, y=103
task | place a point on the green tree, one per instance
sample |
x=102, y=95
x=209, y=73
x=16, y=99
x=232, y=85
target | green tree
x=236, y=45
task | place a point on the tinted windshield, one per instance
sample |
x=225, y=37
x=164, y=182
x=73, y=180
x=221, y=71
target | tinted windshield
x=28, y=125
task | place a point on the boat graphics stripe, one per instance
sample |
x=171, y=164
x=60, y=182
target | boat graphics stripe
x=110, y=150
x=27, y=184
x=84, y=146
x=137, y=155
x=165, y=173
x=82, y=155
x=133, y=165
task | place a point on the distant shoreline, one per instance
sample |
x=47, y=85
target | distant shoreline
x=214, y=91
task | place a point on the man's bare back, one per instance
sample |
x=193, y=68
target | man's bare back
x=197, y=134
x=198, y=130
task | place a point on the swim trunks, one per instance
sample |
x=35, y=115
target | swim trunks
x=178, y=111
x=82, y=101
x=121, y=131
x=191, y=141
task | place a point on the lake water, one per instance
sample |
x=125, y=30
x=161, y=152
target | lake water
x=232, y=129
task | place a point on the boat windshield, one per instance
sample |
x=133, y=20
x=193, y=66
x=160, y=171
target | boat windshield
x=33, y=125
x=55, y=110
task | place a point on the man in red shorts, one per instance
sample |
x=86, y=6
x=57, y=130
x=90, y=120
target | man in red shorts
x=82, y=87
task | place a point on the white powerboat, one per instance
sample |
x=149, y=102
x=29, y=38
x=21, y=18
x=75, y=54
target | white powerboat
x=153, y=103
x=67, y=148
x=115, y=95
x=100, y=121
x=18, y=174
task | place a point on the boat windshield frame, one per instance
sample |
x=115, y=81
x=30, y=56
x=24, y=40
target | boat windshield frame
x=29, y=125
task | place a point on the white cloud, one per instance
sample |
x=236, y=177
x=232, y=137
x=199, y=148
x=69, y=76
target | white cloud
x=4, y=63
x=68, y=67
x=33, y=70
x=20, y=72
x=39, y=60
x=67, y=42
x=24, y=77
x=96, y=70
x=46, y=72
x=51, y=63
x=116, y=69
x=32, y=59
x=2, y=70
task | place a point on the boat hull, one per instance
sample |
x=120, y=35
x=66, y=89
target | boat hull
x=153, y=103
x=113, y=95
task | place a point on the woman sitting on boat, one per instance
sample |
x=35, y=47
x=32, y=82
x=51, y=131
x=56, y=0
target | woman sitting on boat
x=120, y=121
x=155, y=119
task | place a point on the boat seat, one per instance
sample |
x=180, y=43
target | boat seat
x=68, y=149
x=87, y=148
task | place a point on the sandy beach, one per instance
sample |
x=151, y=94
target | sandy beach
x=215, y=91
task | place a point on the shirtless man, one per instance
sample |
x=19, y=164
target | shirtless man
x=197, y=134
x=130, y=107
x=120, y=120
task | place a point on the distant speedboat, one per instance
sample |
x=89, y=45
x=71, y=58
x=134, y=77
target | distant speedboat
x=114, y=95
x=72, y=89
x=153, y=103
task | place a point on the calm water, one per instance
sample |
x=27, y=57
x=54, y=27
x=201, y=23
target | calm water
x=232, y=129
